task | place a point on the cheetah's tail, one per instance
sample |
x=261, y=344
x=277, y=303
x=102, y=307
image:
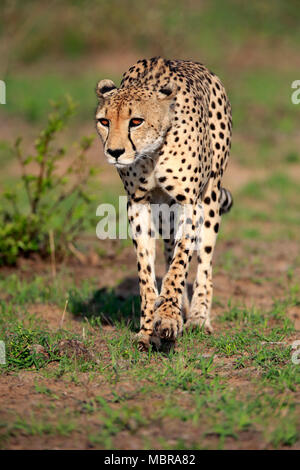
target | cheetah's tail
x=226, y=201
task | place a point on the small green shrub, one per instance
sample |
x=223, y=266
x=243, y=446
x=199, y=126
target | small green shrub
x=47, y=200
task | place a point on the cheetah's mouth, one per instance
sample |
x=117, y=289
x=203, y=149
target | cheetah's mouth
x=122, y=165
x=118, y=164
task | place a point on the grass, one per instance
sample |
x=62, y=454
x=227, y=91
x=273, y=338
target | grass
x=166, y=27
x=36, y=427
x=191, y=385
x=31, y=107
x=261, y=212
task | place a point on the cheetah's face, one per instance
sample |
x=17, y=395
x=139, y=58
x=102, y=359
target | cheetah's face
x=133, y=122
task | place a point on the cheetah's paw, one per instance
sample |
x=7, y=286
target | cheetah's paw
x=144, y=341
x=167, y=322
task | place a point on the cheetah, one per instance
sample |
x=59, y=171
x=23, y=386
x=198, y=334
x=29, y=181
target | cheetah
x=167, y=130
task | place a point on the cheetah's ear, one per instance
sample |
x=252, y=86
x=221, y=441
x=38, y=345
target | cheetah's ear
x=105, y=88
x=167, y=91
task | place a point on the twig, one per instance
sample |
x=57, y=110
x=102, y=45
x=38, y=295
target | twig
x=23, y=171
x=273, y=342
x=52, y=253
x=80, y=256
x=64, y=313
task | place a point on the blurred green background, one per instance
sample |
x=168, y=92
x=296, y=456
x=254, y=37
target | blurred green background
x=50, y=49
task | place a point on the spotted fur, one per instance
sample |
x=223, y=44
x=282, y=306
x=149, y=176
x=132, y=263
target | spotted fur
x=167, y=129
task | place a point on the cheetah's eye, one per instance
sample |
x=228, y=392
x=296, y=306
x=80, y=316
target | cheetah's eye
x=104, y=122
x=134, y=122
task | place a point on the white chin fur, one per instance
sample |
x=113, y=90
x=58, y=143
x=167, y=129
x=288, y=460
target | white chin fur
x=118, y=164
x=122, y=165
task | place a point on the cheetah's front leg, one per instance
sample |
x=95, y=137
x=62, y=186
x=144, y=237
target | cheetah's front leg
x=168, y=321
x=142, y=232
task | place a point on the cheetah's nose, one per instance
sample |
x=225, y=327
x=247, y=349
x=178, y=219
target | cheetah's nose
x=115, y=153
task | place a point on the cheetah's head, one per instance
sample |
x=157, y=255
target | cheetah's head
x=133, y=121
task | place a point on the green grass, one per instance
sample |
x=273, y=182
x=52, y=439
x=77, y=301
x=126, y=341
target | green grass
x=49, y=88
x=260, y=210
x=261, y=103
x=109, y=27
x=34, y=426
x=187, y=386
